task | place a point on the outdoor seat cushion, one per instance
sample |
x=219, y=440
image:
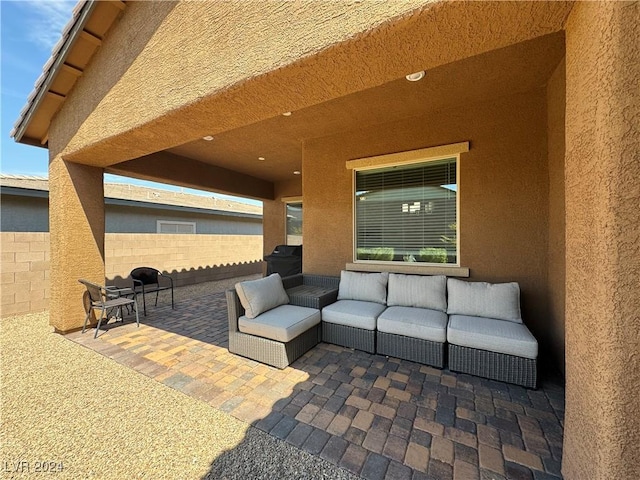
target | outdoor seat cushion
x=482, y=299
x=258, y=296
x=414, y=322
x=366, y=287
x=353, y=313
x=423, y=291
x=500, y=336
x=283, y=323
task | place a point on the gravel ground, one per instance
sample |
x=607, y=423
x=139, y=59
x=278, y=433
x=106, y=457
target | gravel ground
x=65, y=404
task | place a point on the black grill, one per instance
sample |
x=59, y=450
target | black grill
x=285, y=260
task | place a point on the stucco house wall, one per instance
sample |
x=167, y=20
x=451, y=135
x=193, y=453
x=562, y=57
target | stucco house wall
x=602, y=168
x=516, y=149
x=503, y=189
x=556, y=254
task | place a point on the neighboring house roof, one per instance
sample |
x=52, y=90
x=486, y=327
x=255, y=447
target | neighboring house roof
x=126, y=194
x=80, y=39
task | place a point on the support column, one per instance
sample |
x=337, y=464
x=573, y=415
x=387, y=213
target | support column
x=76, y=225
x=602, y=424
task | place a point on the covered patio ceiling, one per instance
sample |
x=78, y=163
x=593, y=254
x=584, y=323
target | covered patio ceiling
x=279, y=140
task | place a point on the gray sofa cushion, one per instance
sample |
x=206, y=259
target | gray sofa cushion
x=501, y=336
x=283, y=323
x=481, y=299
x=353, y=313
x=258, y=296
x=366, y=287
x=420, y=291
x=414, y=322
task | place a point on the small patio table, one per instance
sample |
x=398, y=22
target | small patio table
x=313, y=291
x=126, y=292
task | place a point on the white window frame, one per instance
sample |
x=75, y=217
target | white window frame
x=408, y=158
x=159, y=224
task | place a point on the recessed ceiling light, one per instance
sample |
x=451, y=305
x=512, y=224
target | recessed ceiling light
x=261, y=158
x=287, y=114
x=297, y=172
x=208, y=138
x=414, y=77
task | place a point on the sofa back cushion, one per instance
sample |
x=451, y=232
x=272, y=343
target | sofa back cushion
x=481, y=299
x=420, y=291
x=366, y=287
x=257, y=296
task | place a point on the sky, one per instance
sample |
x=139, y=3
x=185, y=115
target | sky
x=29, y=29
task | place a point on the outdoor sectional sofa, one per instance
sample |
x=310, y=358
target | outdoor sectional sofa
x=414, y=317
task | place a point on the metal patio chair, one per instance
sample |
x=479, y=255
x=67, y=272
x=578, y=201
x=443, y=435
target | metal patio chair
x=149, y=280
x=107, y=300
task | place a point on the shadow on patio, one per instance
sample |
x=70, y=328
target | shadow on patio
x=369, y=414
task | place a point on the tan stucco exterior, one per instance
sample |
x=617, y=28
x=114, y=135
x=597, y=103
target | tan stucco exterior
x=556, y=96
x=602, y=434
x=271, y=65
x=506, y=165
x=548, y=152
x=76, y=223
x=275, y=229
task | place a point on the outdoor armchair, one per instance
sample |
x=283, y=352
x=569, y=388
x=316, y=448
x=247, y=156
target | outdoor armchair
x=106, y=301
x=149, y=280
x=283, y=320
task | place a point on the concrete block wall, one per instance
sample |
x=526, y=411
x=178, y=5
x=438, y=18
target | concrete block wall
x=24, y=262
x=24, y=271
x=187, y=258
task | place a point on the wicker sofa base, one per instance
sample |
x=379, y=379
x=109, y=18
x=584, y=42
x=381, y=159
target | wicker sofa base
x=409, y=348
x=496, y=366
x=350, y=337
x=271, y=352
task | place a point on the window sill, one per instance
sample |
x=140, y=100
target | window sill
x=449, y=271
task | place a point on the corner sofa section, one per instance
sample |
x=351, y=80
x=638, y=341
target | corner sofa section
x=265, y=327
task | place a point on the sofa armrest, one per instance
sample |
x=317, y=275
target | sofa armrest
x=234, y=310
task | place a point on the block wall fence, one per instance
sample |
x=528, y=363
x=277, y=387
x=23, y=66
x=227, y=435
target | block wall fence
x=189, y=259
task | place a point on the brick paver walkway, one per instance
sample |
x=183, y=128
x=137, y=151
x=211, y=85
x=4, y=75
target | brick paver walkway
x=372, y=415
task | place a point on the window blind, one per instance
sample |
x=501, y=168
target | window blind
x=407, y=213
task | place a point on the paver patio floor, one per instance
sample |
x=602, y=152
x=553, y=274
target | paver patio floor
x=372, y=415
